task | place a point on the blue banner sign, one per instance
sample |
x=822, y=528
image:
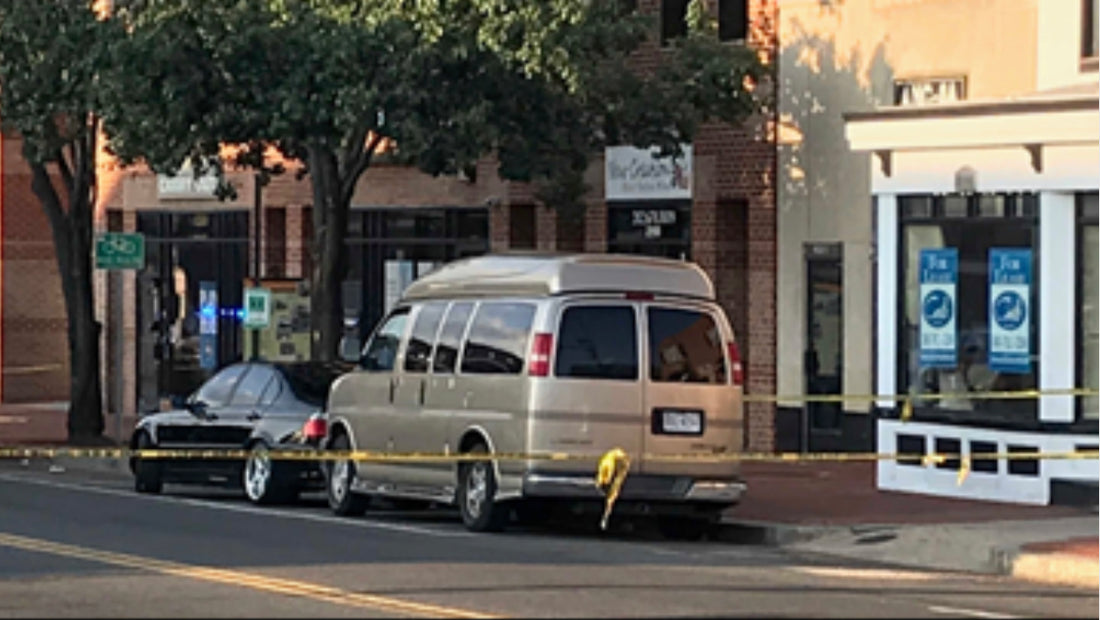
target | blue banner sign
x=939, y=275
x=208, y=324
x=1009, y=310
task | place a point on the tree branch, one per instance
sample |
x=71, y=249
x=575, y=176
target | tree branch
x=66, y=172
x=347, y=188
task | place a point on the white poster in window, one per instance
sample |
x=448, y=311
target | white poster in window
x=1009, y=314
x=631, y=173
x=399, y=274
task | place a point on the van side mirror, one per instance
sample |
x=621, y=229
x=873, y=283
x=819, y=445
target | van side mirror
x=349, y=349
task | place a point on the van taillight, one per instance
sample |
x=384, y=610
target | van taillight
x=737, y=372
x=539, y=364
x=315, y=427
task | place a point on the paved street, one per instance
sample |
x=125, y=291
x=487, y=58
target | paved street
x=83, y=544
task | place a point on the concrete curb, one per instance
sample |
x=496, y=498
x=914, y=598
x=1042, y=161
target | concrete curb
x=100, y=466
x=764, y=533
x=1064, y=569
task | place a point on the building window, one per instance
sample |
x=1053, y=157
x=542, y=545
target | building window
x=929, y=91
x=968, y=303
x=274, y=246
x=1088, y=308
x=673, y=20
x=1089, y=33
x=733, y=20
x=657, y=228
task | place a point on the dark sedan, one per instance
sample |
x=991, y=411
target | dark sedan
x=255, y=406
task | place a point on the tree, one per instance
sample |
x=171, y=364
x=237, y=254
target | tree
x=49, y=75
x=540, y=85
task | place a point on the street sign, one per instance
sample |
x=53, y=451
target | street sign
x=257, y=308
x=120, y=251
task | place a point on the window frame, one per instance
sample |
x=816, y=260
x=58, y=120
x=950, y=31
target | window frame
x=666, y=32
x=639, y=338
x=460, y=361
x=1021, y=207
x=1089, y=62
x=398, y=356
x=680, y=306
x=1083, y=219
x=419, y=312
x=745, y=26
x=460, y=347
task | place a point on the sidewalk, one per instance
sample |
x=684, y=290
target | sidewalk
x=814, y=507
x=835, y=509
x=46, y=424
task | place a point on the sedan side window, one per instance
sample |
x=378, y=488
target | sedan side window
x=381, y=353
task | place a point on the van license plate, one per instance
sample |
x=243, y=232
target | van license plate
x=682, y=422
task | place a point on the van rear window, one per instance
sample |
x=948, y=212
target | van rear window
x=498, y=339
x=597, y=342
x=685, y=346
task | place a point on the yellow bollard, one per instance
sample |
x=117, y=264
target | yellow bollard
x=610, y=475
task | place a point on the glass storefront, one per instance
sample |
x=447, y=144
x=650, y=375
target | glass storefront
x=968, y=305
x=389, y=248
x=654, y=228
x=1089, y=305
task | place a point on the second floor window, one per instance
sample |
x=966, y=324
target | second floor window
x=926, y=91
x=673, y=19
x=1089, y=31
x=733, y=20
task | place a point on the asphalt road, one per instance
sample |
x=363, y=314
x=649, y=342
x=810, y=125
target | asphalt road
x=83, y=544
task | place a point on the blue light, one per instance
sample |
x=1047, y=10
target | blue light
x=208, y=312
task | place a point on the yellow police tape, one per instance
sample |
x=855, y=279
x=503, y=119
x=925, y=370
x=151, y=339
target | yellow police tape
x=611, y=467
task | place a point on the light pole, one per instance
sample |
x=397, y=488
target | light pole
x=257, y=218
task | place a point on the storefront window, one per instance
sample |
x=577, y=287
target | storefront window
x=956, y=337
x=1089, y=314
x=653, y=229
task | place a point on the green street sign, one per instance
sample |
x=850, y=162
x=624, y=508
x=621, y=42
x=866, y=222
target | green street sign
x=257, y=308
x=120, y=251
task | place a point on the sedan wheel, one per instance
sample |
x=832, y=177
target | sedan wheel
x=263, y=482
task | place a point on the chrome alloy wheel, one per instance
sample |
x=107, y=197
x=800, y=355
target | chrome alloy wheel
x=476, y=489
x=257, y=473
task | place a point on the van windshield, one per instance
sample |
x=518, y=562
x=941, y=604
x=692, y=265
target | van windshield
x=685, y=346
x=597, y=342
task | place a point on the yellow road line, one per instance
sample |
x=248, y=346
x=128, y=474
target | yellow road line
x=241, y=579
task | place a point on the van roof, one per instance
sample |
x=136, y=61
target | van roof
x=539, y=275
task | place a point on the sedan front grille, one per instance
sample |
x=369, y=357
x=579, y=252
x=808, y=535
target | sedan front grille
x=227, y=435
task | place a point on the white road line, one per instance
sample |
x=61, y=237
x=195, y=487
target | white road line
x=973, y=613
x=269, y=512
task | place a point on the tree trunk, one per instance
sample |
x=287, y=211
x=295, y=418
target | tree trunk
x=72, y=235
x=330, y=225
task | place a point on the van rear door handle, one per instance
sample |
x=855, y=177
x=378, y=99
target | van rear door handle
x=393, y=387
x=423, y=387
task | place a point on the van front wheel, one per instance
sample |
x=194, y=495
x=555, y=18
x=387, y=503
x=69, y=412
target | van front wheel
x=477, y=487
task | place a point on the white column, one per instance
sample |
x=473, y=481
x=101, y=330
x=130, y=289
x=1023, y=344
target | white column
x=1057, y=292
x=886, y=321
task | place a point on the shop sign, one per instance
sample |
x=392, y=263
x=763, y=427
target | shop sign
x=939, y=275
x=184, y=186
x=652, y=220
x=257, y=308
x=631, y=173
x=208, y=324
x=1009, y=315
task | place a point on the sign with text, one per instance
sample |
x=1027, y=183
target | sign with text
x=1009, y=314
x=257, y=308
x=120, y=251
x=631, y=173
x=939, y=275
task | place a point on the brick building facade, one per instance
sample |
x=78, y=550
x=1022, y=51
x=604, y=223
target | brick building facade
x=732, y=236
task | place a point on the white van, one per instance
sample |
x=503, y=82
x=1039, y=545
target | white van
x=546, y=353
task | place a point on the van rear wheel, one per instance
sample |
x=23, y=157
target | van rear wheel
x=477, y=488
x=341, y=499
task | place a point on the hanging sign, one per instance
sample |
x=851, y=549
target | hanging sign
x=939, y=274
x=1009, y=314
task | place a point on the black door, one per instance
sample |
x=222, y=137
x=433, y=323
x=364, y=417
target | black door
x=823, y=364
x=187, y=253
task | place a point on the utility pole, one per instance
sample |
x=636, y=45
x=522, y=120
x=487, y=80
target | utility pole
x=257, y=217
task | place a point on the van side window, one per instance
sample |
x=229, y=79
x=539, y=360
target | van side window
x=597, y=342
x=498, y=339
x=446, y=350
x=381, y=353
x=419, y=350
x=685, y=346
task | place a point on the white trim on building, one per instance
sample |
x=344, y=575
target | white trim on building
x=1045, y=145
